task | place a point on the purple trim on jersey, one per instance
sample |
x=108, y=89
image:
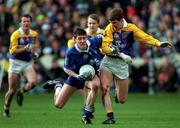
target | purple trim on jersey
x=124, y=40
x=25, y=56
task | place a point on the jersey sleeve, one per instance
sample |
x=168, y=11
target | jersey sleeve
x=68, y=62
x=96, y=41
x=107, y=40
x=36, y=39
x=143, y=37
x=13, y=43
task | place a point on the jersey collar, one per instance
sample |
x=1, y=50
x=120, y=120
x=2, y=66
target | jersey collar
x=79, y=50
x=22, y=32
x=125, y=24
x=98, y=30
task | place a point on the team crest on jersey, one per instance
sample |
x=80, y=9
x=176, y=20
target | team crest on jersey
x=27, y=40
x=116, y=36
x=21, y=41
x=118, y=40
x=85, y=56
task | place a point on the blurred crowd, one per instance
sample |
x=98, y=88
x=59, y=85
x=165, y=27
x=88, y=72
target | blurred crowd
x=55, y=21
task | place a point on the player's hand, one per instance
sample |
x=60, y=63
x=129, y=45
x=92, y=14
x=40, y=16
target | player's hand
x=165, y=44
x=114, y=49
x=35, y=56
x=126, y=58
x=84, y=77
x=28, y=47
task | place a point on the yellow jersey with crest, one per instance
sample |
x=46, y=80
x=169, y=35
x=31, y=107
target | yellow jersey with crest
x=19, y=40
x=125, y=37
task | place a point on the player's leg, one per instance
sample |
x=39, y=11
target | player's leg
x=121, y=81
x=106, y=78
x=62, y=94
x=92, y=93
x=31, y=76
x=13, y=79
x=93, y=85
x=122, y=89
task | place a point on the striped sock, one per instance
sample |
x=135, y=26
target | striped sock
x=58, y=85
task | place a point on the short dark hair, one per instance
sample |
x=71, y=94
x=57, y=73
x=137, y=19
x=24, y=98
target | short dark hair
x=79, y=31
x=94, y=17
x=27, y=16
x=116, y=14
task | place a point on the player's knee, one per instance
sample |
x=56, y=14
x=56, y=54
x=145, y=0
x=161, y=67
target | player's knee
x=105, y=89
x=95, y=87
x=34, y=82
x=11, y=91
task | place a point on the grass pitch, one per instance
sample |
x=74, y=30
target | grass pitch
x=140, y=111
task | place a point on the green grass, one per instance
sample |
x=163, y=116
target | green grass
x=140, y=111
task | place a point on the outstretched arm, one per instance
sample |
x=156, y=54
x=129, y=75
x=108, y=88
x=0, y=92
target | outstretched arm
x=143, y=37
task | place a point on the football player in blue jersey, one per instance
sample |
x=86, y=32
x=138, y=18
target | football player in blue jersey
x=85, y=51
x=92, y=30
x=23, y=44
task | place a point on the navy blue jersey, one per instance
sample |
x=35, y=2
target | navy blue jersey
x=75, y=58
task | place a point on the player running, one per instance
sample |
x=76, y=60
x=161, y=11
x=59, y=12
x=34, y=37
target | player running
x=22, y=48
x=92, y=29
x=120, y=35
x=85, y=51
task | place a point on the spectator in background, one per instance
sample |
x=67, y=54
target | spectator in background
x=166, y=77
x=43, y=37
x=139, y=83
x=56, y=70
x=6, y=19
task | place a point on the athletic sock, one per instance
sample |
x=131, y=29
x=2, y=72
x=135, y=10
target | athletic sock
x=110, y=115
x=59, y=85
x=87, y=111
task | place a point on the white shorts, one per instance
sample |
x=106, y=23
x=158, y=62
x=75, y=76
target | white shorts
x=116, y=66
x=18, y=66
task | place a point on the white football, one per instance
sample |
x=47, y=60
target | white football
x=87, y=70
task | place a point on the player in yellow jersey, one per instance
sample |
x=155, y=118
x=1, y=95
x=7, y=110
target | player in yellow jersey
x=120, y=35
x=92, y=28
x=23, y=43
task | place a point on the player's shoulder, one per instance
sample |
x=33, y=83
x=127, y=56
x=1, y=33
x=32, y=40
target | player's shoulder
x=102, y=31
x=34, y=32
x=95, y=38
x=130, y=27
x=15, y=33
x=71, y=50
x=109, y=27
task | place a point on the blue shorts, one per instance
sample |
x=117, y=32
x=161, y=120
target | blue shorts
x=74, y=82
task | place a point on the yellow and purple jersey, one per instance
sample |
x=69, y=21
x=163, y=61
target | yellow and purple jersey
x=19, y=40
x=71, y=42
x=125, y=38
